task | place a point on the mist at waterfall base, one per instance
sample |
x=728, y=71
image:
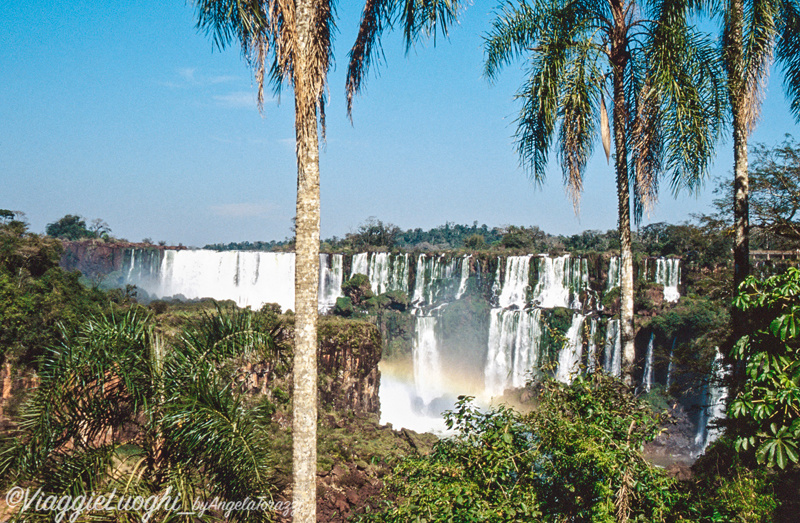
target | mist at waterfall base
x=480, y=324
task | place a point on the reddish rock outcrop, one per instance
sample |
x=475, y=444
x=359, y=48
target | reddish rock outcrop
x=348, y=375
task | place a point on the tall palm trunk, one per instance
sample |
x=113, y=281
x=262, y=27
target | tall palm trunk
x=738, y=95
x=619, y=60
x=304, y=423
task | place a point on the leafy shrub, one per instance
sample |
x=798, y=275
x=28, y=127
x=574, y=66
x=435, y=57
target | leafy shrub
x=357, y=288
x=768, y=403
x=727, y=488
x=576, y=458
x=343, y=307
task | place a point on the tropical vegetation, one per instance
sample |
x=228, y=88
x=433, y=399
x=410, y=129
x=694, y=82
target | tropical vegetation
x=576, y=457
x=120, y=409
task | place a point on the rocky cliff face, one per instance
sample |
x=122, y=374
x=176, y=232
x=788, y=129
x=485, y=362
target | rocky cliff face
x=13, y=386
x=348, y=365
x=348, y=356
x=97, y=258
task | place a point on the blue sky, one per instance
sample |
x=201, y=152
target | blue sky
x=120, y=110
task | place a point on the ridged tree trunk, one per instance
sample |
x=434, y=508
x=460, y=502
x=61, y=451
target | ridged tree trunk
x=737, y=93
x=619, y=59
x=304, y=423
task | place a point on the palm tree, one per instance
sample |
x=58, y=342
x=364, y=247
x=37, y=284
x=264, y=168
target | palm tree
x=750, y=34
x=659, y=77
x=297, y=34
x=119, y=409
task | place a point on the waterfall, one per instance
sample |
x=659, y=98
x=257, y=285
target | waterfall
x=419, y=280
x=668, y=274
x=398, y=279
x=647, y=377
x=497, y=286
x=578, y=280
x=133, y=264
x=379, y=272
x=516, y=282
x=591, y=353
x=569, y=358
x=514, y=349
x=248, y=278
x=550, y=290
x=716, y=396
x=613, y=349
x=427, y=362
x=669, y=365
x=385, y=272
x=438, y=279
x=561, y=280
x=141, y=268
x=330, y=280
x=613, y=273
x=360, y=264
x=462, y=286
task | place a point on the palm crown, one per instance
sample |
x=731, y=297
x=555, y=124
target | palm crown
x=658, y=73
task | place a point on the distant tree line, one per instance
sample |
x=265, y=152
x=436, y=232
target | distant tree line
x=250, y=246
x=74, y=227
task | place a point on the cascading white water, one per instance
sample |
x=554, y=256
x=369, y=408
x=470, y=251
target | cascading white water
x=714, y=409
x=497, y=284
x=561, y=280
x=515, y=286
x=647, y=377
x=419, y=281
x=133, y=264
x=591, y=351
x=569, y=358
x=550, y=290
x=141, y=268
x=613, y=273
x=386, y=272
x=360, y=264
x=613, y=349
x=398, y=278
x=248, y=278
x=462, y=286
x=330, y=280
x=378, y=272
x=427, y=361
x=578, y=281
x=668, y=274
x=438, y=280
x=514, y=349
x=669, y=365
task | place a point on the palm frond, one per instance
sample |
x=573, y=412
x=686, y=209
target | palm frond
x=207, y=427
x=788, y=53
x=580, y=92
x=227, y=20
x=514, y=32
x=367, y=47
x=92, y=385
x=693, y=102
x=420, y=19
x=537, y=117
x=426, y=18
x=226, y=334
x=759, y=43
